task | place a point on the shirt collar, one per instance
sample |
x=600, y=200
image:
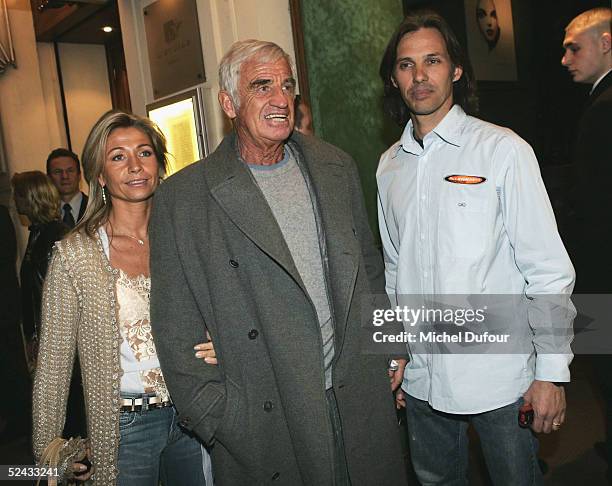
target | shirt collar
x=449, y=130
x=599, y=81
x=76, y=199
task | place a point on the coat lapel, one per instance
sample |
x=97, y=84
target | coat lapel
x=234, y=189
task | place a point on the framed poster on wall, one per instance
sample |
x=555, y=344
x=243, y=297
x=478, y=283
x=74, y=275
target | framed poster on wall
x=490, y=39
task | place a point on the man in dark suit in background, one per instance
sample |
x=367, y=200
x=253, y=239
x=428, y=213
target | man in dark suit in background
x=588, y=58
x=64, y=169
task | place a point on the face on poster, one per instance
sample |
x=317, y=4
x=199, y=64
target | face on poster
x=490, y=37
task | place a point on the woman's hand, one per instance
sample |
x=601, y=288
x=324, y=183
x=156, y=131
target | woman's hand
x=83, y=470
x=80, y=471
x=206, y=351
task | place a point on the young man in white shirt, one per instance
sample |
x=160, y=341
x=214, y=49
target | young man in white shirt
x=463, y=210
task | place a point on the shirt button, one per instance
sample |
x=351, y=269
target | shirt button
x=422, y=198
x=253, y=333
x=268, y=406
x=234, y=263
x=422, y=236
x=425, y=274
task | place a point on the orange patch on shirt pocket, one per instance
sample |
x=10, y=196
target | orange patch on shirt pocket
x=465, y=179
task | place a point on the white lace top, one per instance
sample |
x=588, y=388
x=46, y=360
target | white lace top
x=141, y=370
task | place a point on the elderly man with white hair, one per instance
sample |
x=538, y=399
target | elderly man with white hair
x=266, y=246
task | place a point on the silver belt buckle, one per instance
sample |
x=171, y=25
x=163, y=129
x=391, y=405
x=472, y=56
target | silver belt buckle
x=145, y=403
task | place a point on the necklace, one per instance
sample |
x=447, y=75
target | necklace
x=137, y=240
x=111, y=234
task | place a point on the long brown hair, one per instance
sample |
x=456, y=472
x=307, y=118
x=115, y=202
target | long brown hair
x=94, y=156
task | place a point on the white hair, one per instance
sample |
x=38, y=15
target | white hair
x=241, y=51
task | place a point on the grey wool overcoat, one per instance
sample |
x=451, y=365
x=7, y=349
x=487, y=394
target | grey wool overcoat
x=219, y=263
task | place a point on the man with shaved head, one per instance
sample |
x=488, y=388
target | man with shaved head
x=587, y=54
x=588, y=58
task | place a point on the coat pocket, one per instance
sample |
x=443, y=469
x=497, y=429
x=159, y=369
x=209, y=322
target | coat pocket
x=226, y=433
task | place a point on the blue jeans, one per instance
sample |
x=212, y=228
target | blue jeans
x=439, y=445
x=154, y=448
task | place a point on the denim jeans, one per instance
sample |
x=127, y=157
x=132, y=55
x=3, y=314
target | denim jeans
x=153, y=448
x=439, y=445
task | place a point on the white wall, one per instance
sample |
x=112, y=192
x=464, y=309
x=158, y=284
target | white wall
x=30, y=105
x=51, y=93
x=28, y=133
x=222, y=22
x=86, y=88
x=30, y=127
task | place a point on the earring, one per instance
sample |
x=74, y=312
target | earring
x=103, y=195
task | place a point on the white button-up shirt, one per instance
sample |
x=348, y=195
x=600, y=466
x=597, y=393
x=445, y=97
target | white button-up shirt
x=498, y=236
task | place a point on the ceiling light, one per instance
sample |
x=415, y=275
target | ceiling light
x=107, y=28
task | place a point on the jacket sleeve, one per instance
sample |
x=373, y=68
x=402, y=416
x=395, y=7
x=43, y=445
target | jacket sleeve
x=197, y=388
x=540, y=256
x=60, y=316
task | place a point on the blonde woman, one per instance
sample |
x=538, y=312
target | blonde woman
x=36, y=198
x=96, y=300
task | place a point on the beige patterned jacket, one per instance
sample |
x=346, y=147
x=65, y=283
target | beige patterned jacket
x=79, y=312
